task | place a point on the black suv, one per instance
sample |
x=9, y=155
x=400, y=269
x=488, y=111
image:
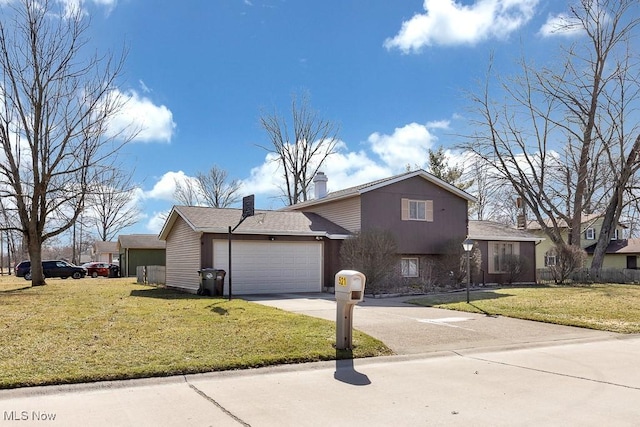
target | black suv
x=60, y=269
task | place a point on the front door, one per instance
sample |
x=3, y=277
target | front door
x=632, y=262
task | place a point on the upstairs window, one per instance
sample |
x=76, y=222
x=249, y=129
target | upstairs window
x=417, y=210
x=590, y=234
x=614, y=235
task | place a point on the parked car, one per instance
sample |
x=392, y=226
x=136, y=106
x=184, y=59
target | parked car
x=59, y=268
x=95, y=269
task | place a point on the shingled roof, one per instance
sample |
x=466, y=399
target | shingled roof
x=622, y=246
x=369, y=186
x=140, y=241
x=489, y=230
x=216, y=220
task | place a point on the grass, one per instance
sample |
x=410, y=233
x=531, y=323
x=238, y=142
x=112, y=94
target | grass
x=607, y=307
x=105, y=329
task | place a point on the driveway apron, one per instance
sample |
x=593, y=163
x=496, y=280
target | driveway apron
x=410, y=329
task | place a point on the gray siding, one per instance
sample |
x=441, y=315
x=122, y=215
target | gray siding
x=183, y=257
x=346, y=213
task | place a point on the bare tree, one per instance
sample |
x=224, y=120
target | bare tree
x=187, y=192
x=217, y=190
x=111, y=205
x=55, y=104
x=570, y=102
x=208, y=189
x=301, y=151
x=374, y=252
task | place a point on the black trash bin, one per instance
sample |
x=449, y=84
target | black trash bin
x=211, y=282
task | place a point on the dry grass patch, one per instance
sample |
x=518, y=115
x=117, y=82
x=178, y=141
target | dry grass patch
x=606, y=307
x=103, y=329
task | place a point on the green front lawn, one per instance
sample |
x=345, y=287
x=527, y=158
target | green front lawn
x=104, y=329
x=605, y=307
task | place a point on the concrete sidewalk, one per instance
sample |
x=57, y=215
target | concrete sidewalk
x=587, y=384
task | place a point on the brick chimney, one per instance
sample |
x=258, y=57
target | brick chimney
x=320, y=185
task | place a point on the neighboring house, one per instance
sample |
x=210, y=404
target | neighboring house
x=621, y=253
x=427, y=215
x=139, y=250
x=590, y=231
x=272, y=251
x=105, y=252
x=495, y=242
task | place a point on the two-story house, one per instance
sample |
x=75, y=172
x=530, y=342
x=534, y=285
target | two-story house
x=621, y=252
x=296, y=249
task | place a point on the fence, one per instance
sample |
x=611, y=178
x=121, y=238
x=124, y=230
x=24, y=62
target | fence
x=607, y=275
x=151, y=274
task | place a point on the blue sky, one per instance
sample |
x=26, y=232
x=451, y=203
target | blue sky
x=391, y=73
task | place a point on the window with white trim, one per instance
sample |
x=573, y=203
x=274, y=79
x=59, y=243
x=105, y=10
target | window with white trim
x=409, y=267
x=417, y=210
x=550, y=259
x=614, y=235
x=590, y=234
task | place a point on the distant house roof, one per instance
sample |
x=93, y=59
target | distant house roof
x=215, y=220
x=105, y=247
x=140, y=241
x=586, y=221
x=623, y=246
x=489, y=230
x=370, y=186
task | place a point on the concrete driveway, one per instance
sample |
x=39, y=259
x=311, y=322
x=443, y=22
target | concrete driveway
x=410, y=329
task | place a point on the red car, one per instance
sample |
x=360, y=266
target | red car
x=95, y=269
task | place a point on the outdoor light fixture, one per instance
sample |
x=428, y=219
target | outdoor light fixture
x=467, y=245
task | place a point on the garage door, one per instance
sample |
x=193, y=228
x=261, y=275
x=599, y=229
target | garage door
x=271, y=267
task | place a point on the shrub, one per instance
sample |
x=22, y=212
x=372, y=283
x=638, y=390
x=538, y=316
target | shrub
x=569, y=259
x=373, y=252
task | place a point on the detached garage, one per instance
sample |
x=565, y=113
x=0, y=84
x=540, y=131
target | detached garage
x=272, y=251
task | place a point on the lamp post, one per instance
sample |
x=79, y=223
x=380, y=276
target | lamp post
x=467, y=245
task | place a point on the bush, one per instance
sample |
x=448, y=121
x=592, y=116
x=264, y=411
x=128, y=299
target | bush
x=515, y=266
x=374, y=253
x=569, y=259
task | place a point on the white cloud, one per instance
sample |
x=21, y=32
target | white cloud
x=139, y=115
x=386, y=155
x=166, y=186
x=407, y=145
x=447, y=22
x=561, y=25
x=155, y=223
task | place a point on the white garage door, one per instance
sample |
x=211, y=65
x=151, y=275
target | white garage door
x=271, y=267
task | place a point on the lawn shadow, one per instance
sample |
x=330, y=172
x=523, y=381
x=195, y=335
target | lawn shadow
x=163, y=293
x=346, y=372
x=15, y=290
x=216, y=308
x=486, y=313
x=455, y=297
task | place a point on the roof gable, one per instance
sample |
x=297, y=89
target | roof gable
x=374, y=185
